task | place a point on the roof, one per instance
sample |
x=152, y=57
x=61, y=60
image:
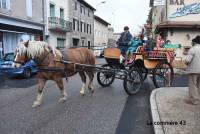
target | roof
x=178, y=24
x=87, y=4
x=97, y=18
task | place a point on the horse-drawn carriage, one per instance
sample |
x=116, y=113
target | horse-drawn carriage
x=156, y=62
x=54, y=65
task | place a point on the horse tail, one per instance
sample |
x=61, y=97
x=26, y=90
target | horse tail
x=92, y=59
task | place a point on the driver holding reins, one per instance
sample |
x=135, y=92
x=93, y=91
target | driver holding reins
x=123, y=41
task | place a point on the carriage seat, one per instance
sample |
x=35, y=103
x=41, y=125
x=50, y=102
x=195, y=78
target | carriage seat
x=112, y=53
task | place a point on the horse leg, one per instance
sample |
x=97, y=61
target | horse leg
x=60, y=85
x=90, y=84
x=37, y=102
x=83, y=78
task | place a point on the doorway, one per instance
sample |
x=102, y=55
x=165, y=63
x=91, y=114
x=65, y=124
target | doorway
x=89, y=45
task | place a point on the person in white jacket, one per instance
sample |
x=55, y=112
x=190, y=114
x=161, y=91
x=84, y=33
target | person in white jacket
x=193, y=62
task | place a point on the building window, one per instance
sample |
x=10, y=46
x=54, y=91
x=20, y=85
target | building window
x=88, y=12
x=89, y=44
x=29, y=8
x=82, y=26
x=5, y=4
x=82, y=9
x=90, y=29
x=77, y=25
x=83, y=42
x=74, y=24
x=85, y=25
x=88, y=26
x=52, y=10
x=60, y=43
x=62, y=13
x=75, y=5
x=75, y=42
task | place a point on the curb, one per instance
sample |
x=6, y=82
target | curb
x=154, y=113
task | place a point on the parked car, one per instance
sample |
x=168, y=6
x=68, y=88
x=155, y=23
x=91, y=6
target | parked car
x=25, y=70
x=101, y=54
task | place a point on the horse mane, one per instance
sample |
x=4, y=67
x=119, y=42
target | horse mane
x=36, y=49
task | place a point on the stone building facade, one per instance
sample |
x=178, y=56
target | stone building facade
x=82, y=17
x=70, y=23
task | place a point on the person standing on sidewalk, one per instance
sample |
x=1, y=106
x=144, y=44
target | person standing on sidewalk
x=193, y=62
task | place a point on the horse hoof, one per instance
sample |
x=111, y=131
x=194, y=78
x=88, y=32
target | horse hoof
x=35, y=104
x=82, y=94
x=62, y=100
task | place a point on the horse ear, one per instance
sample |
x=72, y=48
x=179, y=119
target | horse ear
x=26, y=43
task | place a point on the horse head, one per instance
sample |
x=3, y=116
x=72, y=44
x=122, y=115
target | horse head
x=31, y=50
x=21, y=54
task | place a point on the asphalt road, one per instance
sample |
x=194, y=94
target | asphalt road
x=108, y=111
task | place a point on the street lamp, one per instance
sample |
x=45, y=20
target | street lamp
x=102, y=2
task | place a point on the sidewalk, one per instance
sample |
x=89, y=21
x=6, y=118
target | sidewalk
x=171, y=115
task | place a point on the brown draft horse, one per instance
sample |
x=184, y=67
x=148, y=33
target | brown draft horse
x=47, y=59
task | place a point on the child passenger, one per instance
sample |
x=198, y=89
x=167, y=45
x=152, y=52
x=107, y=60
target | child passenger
x=133, y=45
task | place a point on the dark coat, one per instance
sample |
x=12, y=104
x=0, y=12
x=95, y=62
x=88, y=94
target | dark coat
x=124, y=39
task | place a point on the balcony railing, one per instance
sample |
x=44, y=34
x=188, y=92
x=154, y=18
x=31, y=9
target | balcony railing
x=59, y=24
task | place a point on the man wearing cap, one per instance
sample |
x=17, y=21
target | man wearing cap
x=123, y=42
x=124, y=39
x=193, y=62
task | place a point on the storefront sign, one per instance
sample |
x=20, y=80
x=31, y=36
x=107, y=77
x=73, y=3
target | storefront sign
x=176, y=2
x=187, y=10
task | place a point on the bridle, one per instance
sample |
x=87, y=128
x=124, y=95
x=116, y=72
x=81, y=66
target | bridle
x=18, y=62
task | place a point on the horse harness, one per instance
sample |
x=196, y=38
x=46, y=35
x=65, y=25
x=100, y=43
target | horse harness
x=55, y=69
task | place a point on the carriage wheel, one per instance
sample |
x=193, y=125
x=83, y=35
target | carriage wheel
x=144, y=73
x=105, y=78
x=163, y=75
x=133, y=82
x=140, y=66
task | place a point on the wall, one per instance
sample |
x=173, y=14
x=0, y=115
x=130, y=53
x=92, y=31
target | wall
x=158, y=16
x=18, y=10
x=183, y=37
x=100, y=33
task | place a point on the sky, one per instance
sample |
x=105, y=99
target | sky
x=120, y=13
